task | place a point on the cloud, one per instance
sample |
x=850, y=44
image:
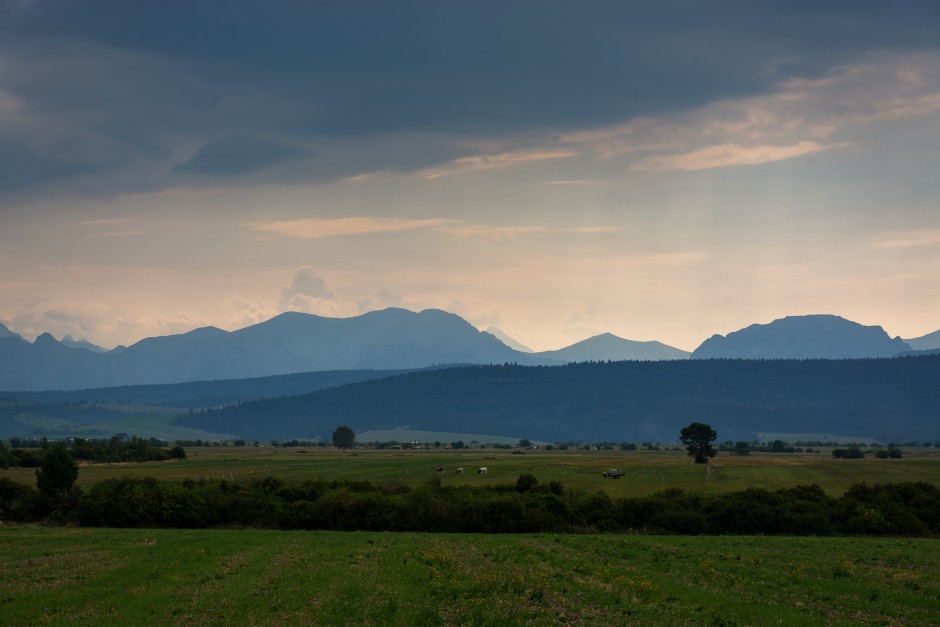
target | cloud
x=725, y=155
x=480, y=163
x=797, y=117
x=585, y=323
x=238, y=155
x=318, y=228
x=306, y=285
x=239, y=312
x=104, y=227
x=466, y=231
x=313, y=305
x=591, y=230
x=96, y=322
x=910, y=239
x=96, y=97
x=385, y=298
x=107, y=222
x=309, y=293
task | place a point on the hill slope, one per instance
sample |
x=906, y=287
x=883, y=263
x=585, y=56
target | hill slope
x=931, y=341
x=886, y=399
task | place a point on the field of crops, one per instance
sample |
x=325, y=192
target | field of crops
x=146, y=576
x=119, y=577
x=646, y=472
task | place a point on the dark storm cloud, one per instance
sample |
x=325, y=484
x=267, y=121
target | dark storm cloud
x=232, y=156
x=311, y=70
x=20, y=166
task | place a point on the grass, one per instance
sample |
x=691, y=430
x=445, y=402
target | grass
x=646, y=471
x=116, y=577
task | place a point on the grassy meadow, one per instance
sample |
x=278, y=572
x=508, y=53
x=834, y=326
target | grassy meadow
x=646, y=472
x=143, y=576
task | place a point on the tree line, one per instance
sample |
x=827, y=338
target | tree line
x=901, y=509
x=111, y=450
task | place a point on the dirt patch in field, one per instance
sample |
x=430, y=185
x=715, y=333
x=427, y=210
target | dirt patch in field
x=49, y=572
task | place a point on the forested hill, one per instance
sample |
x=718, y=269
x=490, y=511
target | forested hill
x=888, y=399
x=199, y=394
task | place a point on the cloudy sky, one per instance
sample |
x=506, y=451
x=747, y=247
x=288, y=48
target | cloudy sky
x=658, y=170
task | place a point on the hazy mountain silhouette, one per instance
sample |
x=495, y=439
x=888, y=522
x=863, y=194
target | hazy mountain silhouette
x=508, y=340
x=5, y=332
x=803, y=337
x=925, y=342
x=609, y=347
x=84, y=344
x=289, y=343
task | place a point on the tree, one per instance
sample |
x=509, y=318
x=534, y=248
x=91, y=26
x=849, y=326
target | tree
x=697, y=439
x=58, y=472
x=344, y=437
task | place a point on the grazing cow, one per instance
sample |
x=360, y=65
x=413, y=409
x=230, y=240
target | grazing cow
x=440, y=469
x=481, y=470
x=460, y=471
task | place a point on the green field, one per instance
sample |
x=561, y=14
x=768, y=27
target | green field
x=144, y=576
x=122, y=577
x=646, y=471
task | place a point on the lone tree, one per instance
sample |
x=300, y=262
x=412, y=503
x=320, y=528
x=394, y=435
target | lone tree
x=344, y=437
x=58, y=472
x=698, y=438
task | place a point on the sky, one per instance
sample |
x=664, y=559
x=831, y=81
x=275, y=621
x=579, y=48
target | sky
x=657, y=170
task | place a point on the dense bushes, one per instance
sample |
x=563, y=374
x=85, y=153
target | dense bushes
x=904, y=509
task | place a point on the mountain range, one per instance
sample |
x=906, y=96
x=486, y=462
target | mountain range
x=396, y=339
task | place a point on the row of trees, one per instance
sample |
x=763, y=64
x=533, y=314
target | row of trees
x=102, y=451
x=905, y=509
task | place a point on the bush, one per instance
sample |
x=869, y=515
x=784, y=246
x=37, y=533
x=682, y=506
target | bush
x=526, y=482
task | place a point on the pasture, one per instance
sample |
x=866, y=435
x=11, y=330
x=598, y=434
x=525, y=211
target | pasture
x=209, y=577
x=645, y=472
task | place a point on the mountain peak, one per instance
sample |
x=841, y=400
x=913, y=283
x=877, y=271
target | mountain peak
x=45, y=339
x=815, y=336
x=71, y=342
x=508, y=340
x=609, y=347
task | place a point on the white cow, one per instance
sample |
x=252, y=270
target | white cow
x=481, y=470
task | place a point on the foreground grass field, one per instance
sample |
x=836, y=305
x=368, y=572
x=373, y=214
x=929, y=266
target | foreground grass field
x=123, y=577
x=646, y=472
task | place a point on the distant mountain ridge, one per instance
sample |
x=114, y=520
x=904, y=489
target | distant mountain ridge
x=609, y=347
x=84, y=344
x=391, y=339
x=931, y=341
x=5, y=333
x=508, y=340
x=803, y=337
